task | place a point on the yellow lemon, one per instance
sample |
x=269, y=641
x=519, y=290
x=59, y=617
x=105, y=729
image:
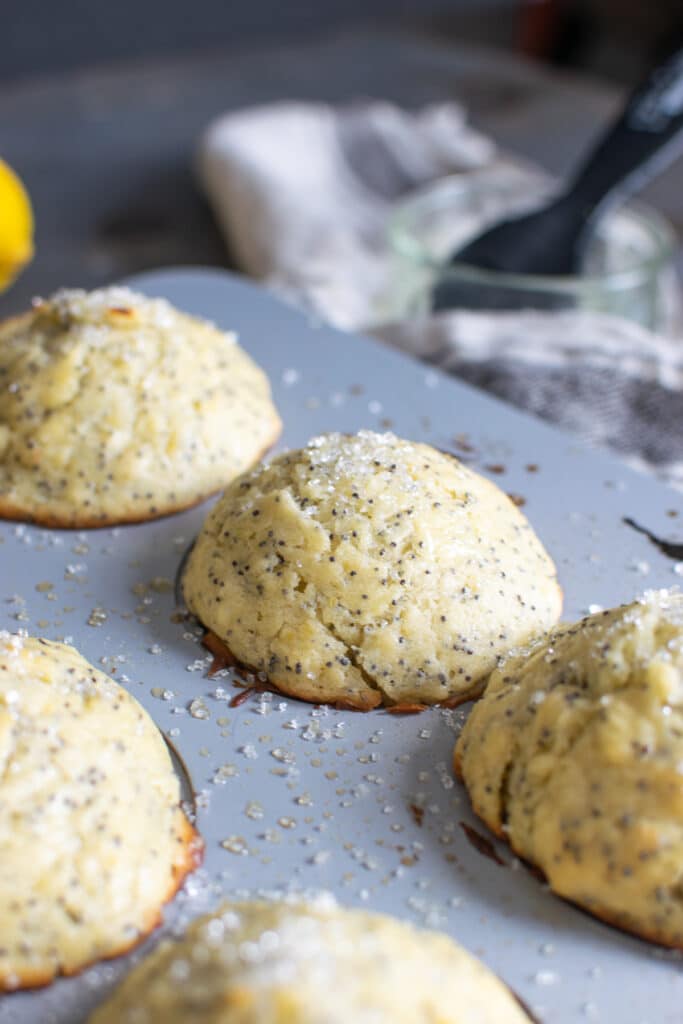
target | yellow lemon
x=16, y=226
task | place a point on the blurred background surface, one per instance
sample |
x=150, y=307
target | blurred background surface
x=608, y=37
x=101, y=105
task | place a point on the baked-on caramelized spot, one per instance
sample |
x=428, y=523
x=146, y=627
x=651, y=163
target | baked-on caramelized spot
x=482, y=844
x=670, y=548
x=93, y=840
x=407, y=709
x=296, y=963
x=119, y=408
x=575, y=755
x=365, y=570
x=222, y=655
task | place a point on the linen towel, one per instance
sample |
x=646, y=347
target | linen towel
x=303, y=193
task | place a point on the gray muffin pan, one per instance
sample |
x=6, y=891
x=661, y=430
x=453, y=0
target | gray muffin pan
x=291, y=796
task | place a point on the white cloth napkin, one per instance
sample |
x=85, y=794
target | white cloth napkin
x=303, y=193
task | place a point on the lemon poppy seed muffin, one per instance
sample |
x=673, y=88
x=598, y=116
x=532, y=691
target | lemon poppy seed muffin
x=575, y=755
x=92, y=838
x=119, y=408
x=366, y=569
x=298, y=963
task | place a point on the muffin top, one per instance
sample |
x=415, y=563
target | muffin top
x=366, y=569
x=575, y=755
x=298, y=963
x=120, y=408
x=92, y=837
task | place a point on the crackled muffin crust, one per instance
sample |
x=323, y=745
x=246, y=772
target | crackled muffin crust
x=575, y=755
x=296, y=963
x=366, y=569
x=118, y=408
x=92, y=837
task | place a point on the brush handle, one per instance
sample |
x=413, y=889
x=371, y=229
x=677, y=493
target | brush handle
x=647, y=135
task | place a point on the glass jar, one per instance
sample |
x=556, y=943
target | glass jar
x=628, y=270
